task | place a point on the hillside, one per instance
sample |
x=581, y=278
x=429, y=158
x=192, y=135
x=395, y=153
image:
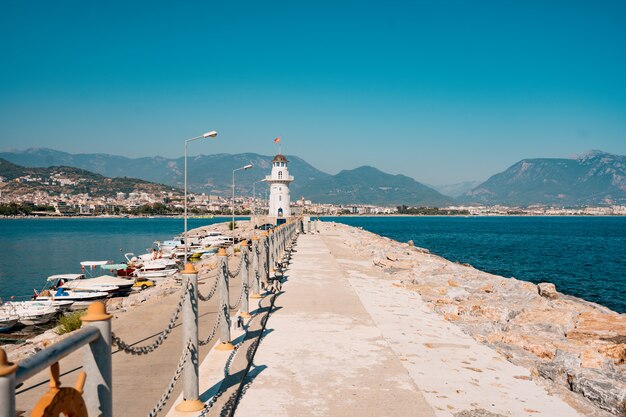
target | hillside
x=212, y=174
x=595, y=178
x=58, y=180
x=368, y=185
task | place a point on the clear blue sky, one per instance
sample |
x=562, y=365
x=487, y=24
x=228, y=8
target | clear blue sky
x=442, y=91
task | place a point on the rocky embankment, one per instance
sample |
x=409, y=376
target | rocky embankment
x=568, y=344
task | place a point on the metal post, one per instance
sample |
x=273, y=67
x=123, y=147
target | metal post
x=245, y=280
x=97, y=391
x=191, y=387
x=256, y=288
x=316, y=225
x=271, y=258
x=224, y=309
x=265, y=256
x=7, y=386
x=185, y=216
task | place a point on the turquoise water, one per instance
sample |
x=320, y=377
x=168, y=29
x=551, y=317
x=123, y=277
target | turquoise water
x=33, y=249
x=583, y=256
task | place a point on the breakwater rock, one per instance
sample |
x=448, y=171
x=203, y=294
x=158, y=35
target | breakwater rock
x=574, y=347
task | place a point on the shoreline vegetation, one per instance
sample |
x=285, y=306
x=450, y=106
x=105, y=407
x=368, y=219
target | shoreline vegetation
x=573, y=347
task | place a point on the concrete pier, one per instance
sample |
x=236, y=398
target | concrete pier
x=345, y=342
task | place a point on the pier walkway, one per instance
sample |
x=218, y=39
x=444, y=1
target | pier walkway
x=345, y=341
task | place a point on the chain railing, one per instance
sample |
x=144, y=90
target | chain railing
x=266, y=250
x=211, y=291
x=233, y=275
x=172, y=384
x=144, y=350
x=213, y=332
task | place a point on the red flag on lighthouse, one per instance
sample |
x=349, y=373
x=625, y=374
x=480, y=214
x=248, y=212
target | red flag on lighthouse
x=276, y=140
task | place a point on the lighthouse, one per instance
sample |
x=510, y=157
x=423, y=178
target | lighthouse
x=279, y=181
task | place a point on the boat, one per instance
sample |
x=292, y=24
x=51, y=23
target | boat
x=79, y=299
x=77, y=282
x=31, y=313
x=8, y=319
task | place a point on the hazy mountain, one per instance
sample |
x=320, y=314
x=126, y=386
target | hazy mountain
x=368, y=185
x=212, y=174
x=595, y=178
x=455, y=190
x=205, y=173
x=57, y=180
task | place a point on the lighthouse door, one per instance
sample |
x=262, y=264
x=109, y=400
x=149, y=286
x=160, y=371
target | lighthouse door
x=280, y=212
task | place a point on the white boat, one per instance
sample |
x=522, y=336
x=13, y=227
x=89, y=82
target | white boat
x=79, y=299
x=104, y=283
x=8, y=319
x=32, y=313
x=154, y=273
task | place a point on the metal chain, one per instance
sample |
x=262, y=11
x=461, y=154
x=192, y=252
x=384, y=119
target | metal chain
x=234, y=274
x=211, y=292
x=179, y=370
x=143, y=350
x=243, y=290
x=213, y=331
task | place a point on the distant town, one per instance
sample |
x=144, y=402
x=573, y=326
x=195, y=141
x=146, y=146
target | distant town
x=171, y=203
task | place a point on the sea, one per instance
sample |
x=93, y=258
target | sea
x=583, y=256
x=32, y=249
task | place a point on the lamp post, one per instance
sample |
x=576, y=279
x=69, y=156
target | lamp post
x=233, y=200
x=210, y=134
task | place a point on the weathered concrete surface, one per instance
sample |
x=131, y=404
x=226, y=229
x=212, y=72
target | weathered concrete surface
x=323, y=355
x=350, y=341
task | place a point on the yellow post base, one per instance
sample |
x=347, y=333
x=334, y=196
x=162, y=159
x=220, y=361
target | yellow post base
x=256, y=296
x=244, y=315
x=225, y=346
x=190, y=405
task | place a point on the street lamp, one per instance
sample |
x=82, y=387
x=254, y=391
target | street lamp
x=233, y=200
x=210, y=134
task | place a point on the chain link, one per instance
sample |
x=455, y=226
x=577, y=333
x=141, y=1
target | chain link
x=213, y=331
x=234, y=274
x=144, y=350
x=179, y=370
x=211, y=292
x=243, y=290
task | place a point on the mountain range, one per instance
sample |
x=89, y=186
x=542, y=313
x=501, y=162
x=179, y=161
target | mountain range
x=212, y=174
x=595, y=178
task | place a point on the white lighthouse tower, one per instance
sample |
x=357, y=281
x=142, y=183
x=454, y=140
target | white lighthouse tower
x=279, y=181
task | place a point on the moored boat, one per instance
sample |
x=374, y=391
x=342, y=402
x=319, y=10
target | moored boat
x=31, y=313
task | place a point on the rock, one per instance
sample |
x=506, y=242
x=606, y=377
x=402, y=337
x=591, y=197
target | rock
x=617, y=352
x=547, y=290
x=487, y=289
x=457, y=294
x=411, y=243
x=479, y=412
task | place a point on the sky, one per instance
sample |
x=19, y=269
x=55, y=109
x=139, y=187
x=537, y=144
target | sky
x=442, y=91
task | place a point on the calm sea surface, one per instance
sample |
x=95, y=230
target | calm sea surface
x=582, y=256
x=33, y=249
